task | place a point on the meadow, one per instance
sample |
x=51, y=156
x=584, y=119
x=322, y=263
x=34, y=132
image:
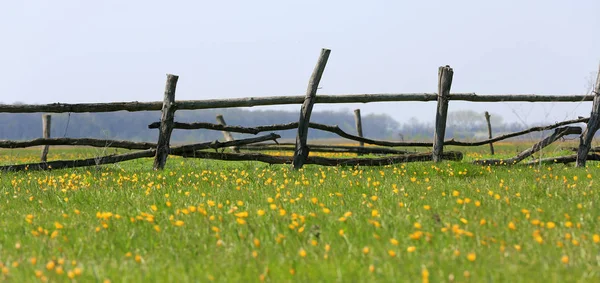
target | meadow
x=205, y=220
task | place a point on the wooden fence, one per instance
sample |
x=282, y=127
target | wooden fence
x=169, y=105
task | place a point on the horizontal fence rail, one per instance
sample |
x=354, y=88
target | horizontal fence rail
x=189, y=149
x=558, y=133
x=337, y=130
x=324, y=148
x=77, y=142
x=324, y=161
x=282, y=100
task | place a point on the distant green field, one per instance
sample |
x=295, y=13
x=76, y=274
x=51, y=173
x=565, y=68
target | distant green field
x=205, y=220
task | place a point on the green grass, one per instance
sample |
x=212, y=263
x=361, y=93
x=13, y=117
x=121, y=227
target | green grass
x=85, y=215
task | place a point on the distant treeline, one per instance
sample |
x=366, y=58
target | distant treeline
x=463, y=125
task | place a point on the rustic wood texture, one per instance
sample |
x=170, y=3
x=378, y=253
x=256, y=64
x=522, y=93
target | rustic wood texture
x=325, y=148
x=324, y=161
x=359, y=131
x=227, y=135
x=593, y=149
x=489, y=125
x=283, y=100
x=78, y=142
x=166, y=125
x=337, y=130
x=515, y=134
x=302, y=151
x=562, y=159
x=62, y=164
x=585, y=140
x=558, y=133
x=46, y=128
x=235, y=129
x=445, y=75
x=190, y=149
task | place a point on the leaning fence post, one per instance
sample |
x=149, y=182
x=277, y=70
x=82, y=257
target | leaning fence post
x=226, y=134
x=445, y=75
x=46, y=126
x=166, y=123
x=487, y=118
x=358, y=121
x=585, y=140
x=301, y=152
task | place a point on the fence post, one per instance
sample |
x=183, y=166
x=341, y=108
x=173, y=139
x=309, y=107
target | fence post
x=166, y=123
x=46, y=126
x=301, y=152
x=487, y=118
x=226, y=134
x=358, y=121
x=585, y=140
x=445, y=75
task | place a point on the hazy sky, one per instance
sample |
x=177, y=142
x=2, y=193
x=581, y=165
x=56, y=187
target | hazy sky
x=100, y=51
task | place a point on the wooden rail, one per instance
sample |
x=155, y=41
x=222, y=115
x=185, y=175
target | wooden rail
x=558, y=133
x=78, y=142
x=562, y=159
x=324, y=148
x=337, y=130
x=176, y=150
x=324, y=161
x=283, y=100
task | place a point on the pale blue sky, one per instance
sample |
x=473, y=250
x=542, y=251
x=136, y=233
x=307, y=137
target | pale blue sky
x=100, y=51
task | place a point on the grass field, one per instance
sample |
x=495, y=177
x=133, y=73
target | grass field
x=241, y=221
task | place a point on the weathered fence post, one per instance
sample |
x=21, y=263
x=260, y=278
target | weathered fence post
x=487, y=118
x=226, y=134
x=358, y=121
x=46, y=127
x=301, y=152
x=445, y=75
x=585, y=140
x=166, y=123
